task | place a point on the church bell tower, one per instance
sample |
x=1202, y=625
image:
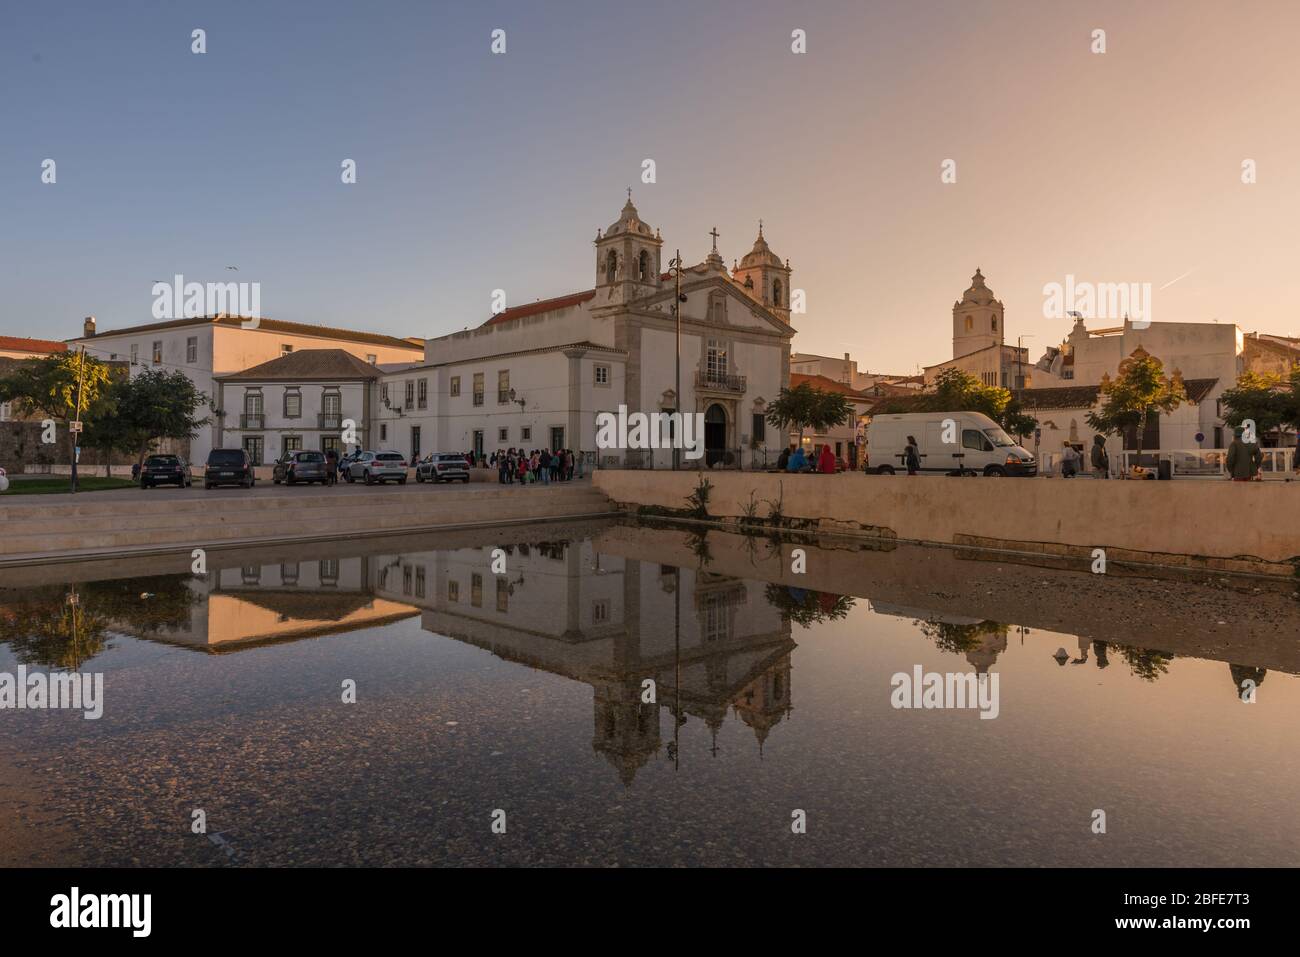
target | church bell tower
x=627, y=259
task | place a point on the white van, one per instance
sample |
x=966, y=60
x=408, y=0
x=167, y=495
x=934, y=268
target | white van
x=978, y=445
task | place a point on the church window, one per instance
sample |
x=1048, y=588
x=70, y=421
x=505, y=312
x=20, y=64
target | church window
x=455, y=385
x=643, y=266
x=970, y=323
x=716, y=360
x=611, y=266
x=995, y=323
x=602, y=375
x=776, y=292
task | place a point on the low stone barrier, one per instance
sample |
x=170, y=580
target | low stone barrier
x=1230, y=526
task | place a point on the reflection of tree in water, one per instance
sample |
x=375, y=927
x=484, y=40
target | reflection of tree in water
x=960, y=638
x=1147, y=663
x=807, y=607
x=699, y=544
x=61, y=627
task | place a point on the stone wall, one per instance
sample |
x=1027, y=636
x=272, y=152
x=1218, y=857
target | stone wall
x=1217, y=524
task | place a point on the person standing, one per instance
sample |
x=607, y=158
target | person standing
x=826, y=461
x=912, y=455
x=1244, y=459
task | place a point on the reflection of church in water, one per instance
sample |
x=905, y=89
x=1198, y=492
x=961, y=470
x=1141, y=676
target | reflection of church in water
x=710, y=643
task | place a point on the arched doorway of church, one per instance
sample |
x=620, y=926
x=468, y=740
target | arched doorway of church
x=715, y=434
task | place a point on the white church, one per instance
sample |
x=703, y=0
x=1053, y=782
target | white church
x=538, y=375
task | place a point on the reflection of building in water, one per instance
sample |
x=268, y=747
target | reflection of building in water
x=980, y=641
x=237, y=608
x=708, y=642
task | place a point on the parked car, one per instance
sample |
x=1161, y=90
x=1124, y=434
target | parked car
x=438, y=467
x=165, y=470
x=979, y=445
x=301, y=466
x=4, y=481
x=229, y=467
x=372, y=467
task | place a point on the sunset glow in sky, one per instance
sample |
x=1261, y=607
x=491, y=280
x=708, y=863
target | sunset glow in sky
x=478, y=172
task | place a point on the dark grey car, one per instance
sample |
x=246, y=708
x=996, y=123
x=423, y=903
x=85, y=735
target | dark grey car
x=301, y=467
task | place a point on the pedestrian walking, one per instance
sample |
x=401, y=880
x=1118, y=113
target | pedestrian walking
x=1100, y=459
x=912, y=455
x=1070, y=460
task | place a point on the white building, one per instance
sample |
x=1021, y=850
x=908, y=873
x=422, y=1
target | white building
x=312, y=399
x=207, y=347
x=537, y=375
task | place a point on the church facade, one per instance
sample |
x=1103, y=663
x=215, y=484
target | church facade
x=538, y=375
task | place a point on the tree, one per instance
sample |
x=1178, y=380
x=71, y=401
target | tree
x=1267, y=399
x=959, y=391
x=1139, y=390
x=807, y=407
x=151, y=406
x=61, y=386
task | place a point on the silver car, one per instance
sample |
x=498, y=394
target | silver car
x=437, y=467
x=372, y=467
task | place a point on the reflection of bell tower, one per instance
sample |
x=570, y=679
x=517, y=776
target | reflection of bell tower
x=993, y=641
x=626, y=731
x=627, y=259
x=763, y=702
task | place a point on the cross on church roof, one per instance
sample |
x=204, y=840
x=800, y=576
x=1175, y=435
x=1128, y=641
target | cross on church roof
x=715, y=234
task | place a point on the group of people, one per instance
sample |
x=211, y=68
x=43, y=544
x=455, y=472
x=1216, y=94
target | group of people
x=538, y=465
x=1099, y=459
x=794, y=459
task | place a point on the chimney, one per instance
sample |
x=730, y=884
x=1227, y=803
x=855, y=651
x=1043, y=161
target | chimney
x=88, y=328
x=848, y=370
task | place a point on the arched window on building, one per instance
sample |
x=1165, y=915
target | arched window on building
x=643, y=266
x=611, y=266
x=776, y=292
x=970, y=323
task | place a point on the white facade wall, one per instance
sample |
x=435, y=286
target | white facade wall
x=559, y=390
x=557, y=328
x=310, y=428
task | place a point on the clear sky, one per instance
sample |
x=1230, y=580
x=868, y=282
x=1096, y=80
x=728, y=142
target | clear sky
x=477, y=171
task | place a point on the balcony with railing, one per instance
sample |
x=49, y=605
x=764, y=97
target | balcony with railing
x=252, y=420
x=719, y=381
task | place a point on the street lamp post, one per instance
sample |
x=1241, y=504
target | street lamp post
x=1020, y=365
x=676, y=267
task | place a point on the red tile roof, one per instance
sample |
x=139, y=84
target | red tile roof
x=825, y=384
x=19, y=344
x=266, y=325
x=544, y=305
